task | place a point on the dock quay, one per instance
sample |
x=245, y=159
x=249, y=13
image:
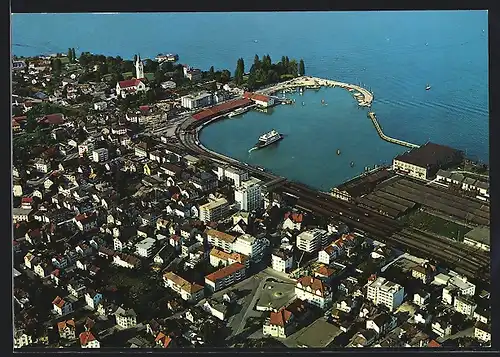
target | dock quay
x=364, y=98
x=375, y=122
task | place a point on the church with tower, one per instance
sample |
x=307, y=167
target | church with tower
x=139, y=68
x=134, y=85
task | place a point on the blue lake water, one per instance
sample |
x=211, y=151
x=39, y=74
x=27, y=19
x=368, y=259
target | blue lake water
x=395, y=54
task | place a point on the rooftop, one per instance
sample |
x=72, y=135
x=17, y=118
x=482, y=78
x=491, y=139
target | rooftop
x=430, y=154
x=480, y=235
x=224, y=272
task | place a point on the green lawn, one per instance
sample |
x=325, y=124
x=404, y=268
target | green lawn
x=430, y=223
x=127, y=75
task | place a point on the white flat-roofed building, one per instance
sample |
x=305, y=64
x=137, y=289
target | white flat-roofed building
x=312, y=240
x=145, y=247
x=214, y=210
x=462, y=284
x=250, y=246
x=384, y=292
x=249, y=195
x=234, y=174
x=282, y=260
x=194, y=101
x=100, y=155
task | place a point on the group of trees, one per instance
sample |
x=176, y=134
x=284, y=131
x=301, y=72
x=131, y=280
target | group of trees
x=71, y=55
x=263, y=71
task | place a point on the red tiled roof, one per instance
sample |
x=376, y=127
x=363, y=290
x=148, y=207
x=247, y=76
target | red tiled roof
x=86, y=337
x=221, y=108
x=313, y=283
x=58, y=301
x=129, y=83
x=20, y=118
x=53, y=119
x=144, y=107
x=27, y=200
x=324, y=271
x=62, y=325
x=15, y=123
x=163, y=339
x=295, y=217
x=433, y=343
x=255, y=96
x=56, y=272
x=226, y=271
x=280, y=318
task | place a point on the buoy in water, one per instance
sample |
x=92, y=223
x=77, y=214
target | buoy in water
x=338, y=151
x=303, y=103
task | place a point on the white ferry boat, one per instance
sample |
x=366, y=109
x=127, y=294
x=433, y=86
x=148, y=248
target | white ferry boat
x=238, y=111
x=169, y=57
x=268, y=139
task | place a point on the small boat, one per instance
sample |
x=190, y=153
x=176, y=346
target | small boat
x=322, y=101
x=303, y=103
x=352, y=163
x=338, y=151
x=427, y=87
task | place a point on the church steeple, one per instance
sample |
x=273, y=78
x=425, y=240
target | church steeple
x=139, y=68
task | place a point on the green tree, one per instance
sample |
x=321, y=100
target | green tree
x=256, y=64
x=240, y=70
x=251, y=83
x=31, y=124
x=225, y=76
x=70, y=55
x=302, y=68
x=293, y=68
x=211, y=72
x=73, y=54
x=56, y=66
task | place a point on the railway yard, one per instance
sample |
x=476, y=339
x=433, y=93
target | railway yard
x=378, y=213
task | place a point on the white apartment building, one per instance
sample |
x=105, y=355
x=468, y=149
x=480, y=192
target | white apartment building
x=312, y=240
x=464, y=305
x=282, y=260
x=21, y=339
x=145, y=247
x=221, y=240
x=314, y=291
x=213, y=210
x=100, y=155
x=225, y=277
x=234, y=174
x=194, y=101
x=384, y=292
x=249, y=195
x=250, y=246
x=186, y=290
x=482, y=332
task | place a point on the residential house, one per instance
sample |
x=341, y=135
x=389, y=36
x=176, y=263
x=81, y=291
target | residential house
x=188, y=291
x=93, y=298
x=314, y=291
x=88, y=340
x=293, y=221
x=61, y=306
x=215, y=308
x=441, y=326
x=282, y=260
x=164, y=341
x=464, y=305
x=278, y=324
x=22, y=339
x=381, y=323
x=424, y=272
x=421, y=297
x=126, y=261
x=67, y=329
x=125, y=318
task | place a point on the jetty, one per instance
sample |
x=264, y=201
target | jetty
x=375, y=122
x=365, y=97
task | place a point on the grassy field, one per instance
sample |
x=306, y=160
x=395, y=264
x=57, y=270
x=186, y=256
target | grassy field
x=430, y=223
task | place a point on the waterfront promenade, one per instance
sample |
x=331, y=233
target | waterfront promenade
x=365, y=100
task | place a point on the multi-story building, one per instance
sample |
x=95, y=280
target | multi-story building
x=233, y=174
x=221, y=240
x=312, y=240
x=204, y=181
x=282, y=260
x=425, y=161
x=22, y=339
x=249, y=195
x=67, y=329
x=464, y=305
x=93, y=298
x=214, y=210
x=145, y=247
x=225, y=277
x=278, y=324
x=186, y=290
x=314, y=291
x=86, y=148
x=62, y=307
x=125, y=318
x=250, y=246
x=100, y=155
x=88, y=340
x=194, y=101
x=482, y=332
x=218, y=257
x=384, y=292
